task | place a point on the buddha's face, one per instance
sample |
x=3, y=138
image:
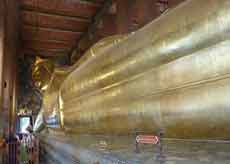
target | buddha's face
x=41, y=73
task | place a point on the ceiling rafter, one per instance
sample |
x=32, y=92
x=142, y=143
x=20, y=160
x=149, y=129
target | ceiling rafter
x=57, y=26
x=74, y=8
x=45, y=44
x=38, y=33
x=42, y=20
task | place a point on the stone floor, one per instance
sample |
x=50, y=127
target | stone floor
x=107, y=150
x=178, y=152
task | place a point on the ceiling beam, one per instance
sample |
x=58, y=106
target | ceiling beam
x=49, y=45
x=53, y=21
x=44, y=53
x=74, y=8
x=44, y=34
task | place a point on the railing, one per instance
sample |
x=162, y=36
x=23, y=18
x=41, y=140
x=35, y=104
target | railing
x=10, y=155
x=31, y=145
x=25, y=151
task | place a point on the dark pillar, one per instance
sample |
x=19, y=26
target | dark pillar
x=2, y=15
x=134, y=14
x=10, y=46
x=8, y=61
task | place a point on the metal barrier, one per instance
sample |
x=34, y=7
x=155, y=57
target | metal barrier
x=10, y=155
x=31, y=144
x=15, y=149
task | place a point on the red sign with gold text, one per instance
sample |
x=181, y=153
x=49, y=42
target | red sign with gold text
x=147, y=139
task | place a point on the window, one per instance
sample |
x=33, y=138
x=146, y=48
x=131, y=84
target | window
x=24, y=123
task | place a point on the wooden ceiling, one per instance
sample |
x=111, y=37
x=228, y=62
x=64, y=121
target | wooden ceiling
x=54, y=27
